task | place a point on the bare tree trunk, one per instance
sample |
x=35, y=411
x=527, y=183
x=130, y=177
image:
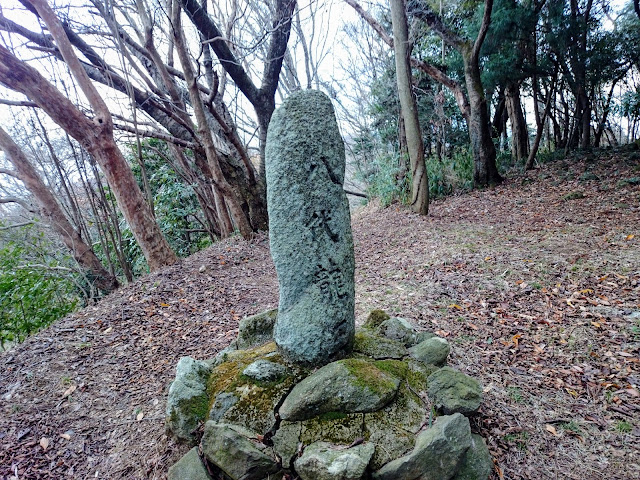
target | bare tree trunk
x=96, y=135
x=415, y=147
x=82, y=253
x=519, y=133
x=229, y=195
x=484, y=152
x=541, y=123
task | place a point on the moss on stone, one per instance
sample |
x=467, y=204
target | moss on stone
x=397, y=368
x=375, y=318
x=367, y=375
x=337, y=428
x=371, y=345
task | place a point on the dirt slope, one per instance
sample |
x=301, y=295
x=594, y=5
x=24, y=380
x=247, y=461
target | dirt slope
x=536, y=284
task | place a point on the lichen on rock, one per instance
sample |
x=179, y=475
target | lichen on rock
x=188, y=400
x=452, y=391
x=348, y=386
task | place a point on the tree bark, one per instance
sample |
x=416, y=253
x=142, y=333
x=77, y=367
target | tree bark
x=229, y=195
x=519, y=133
x=82, y=253
x=95, y=135
x=484, y=152
x=415, y=147
x=262, y=98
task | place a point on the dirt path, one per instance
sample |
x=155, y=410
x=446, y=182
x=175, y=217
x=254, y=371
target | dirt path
x=536, y=284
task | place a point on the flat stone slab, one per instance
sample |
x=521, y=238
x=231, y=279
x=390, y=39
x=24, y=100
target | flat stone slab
x=236, y=452
x=189, y=467
x=437, y=454
x=452, y=391
x=325, y=461
x=348, y=386
x=310, y=230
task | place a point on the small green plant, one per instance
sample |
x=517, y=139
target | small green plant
x=449, y=175
x=576, y=195
x=623, y=427
x=515, y=393
x=571, y=426
x=628, y=181
x=519, y=439
x=635, y=330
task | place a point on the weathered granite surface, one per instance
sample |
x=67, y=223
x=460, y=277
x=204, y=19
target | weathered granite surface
x=310, y=230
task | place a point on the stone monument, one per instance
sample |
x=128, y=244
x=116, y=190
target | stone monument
x=310, y=230
x=382, y=405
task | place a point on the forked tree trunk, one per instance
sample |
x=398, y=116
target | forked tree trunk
x=51, y=210
x=519, y=133
x=95, y=135
x=485, y=172
x=415, y=146
x=231, y=198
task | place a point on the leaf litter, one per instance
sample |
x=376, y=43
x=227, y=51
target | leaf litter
x=537, y=291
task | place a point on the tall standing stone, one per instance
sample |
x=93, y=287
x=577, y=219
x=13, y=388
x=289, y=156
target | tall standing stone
x=310, y=230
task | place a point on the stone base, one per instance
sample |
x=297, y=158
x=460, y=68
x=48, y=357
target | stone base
x=378, y=414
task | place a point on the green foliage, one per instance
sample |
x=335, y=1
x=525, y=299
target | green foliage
x=385, y=178
x=450, y=175
x=175, y=205
x=31, y=297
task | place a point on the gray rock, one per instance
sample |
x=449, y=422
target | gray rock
x=394, y=427
x=375, y=318
x=398, y=329
x=422, y=336
x=477, y=463
x=188, y=403
x=348, y=386
x=433, y=351
x=223, y=354
x=264, y=371
x=189, y=467
x=256, y=329
x=368, y=343
x=452, y=391
x=221, y=405
x=310, y=230
x=437, y=454
x=236, y=452
x=325, y=461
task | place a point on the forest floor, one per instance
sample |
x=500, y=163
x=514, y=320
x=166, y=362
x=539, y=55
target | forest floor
x=536, y=285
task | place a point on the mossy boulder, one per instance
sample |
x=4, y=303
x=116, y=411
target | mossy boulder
x=242, y=399
x=189, y=467
x=477, y=463
x=367, y=343
x=375, y=319
x=452, y=391
x=326, y=461
x=188, y=400
x=256, y=329
x=437, y=454
x=398, y=329
x=237, y=452
x=347, y=386
x=433, y=351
